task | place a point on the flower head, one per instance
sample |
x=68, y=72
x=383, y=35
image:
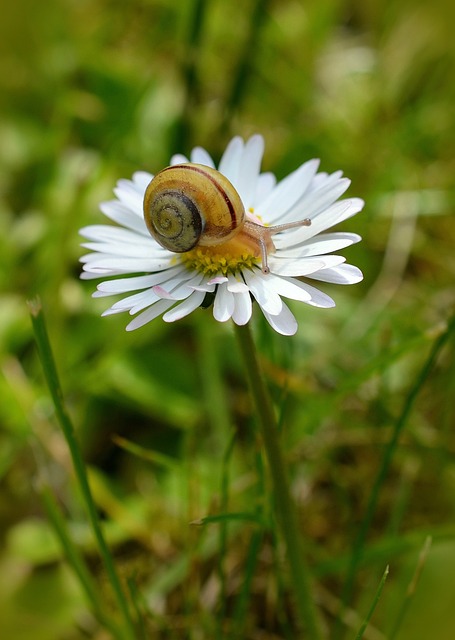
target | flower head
x=279, y=241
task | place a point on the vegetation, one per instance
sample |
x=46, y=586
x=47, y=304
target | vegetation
x=165, y=428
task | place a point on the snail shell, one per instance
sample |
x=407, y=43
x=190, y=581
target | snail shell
x=186, y=205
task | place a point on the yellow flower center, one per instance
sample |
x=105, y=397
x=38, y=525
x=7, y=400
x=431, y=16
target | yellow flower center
x=230, y=257
x=242, y=252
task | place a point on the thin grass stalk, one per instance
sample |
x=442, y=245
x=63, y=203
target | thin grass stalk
x=307, y=613
x=223, y=533
x=220, y=419
x=52, y=379
x=243, y=71
x=216, y=404
x=190, y=61
x=359, y=542
x=423, y=555
x=376, y=598
x=77, y=561
x=139, y=608
x=241, y=608
x=244, y=597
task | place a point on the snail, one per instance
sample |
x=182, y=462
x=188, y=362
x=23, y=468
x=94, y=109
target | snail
x=189, y=205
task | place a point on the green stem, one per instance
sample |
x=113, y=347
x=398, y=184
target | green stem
x=287, y=516
x=50, y=372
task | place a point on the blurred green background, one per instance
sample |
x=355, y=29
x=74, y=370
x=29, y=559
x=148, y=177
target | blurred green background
x=91, y=91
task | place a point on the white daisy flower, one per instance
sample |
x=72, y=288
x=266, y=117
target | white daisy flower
x=272, y=247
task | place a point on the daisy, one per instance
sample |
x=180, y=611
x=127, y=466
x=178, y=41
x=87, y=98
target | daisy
x=279, y=244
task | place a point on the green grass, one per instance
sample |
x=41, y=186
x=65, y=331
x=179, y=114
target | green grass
x=91, y=92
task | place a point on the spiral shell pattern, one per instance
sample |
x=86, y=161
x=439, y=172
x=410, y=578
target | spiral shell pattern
x=190, y=204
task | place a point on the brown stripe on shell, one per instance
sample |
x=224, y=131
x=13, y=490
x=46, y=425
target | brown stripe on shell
x=216, y=184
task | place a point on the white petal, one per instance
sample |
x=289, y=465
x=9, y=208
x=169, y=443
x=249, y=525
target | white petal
x=249, y=168
x=123, y=215
x=268, y=299
x=286, y=193
x=143, y=299
x=265, y=184
x=318, y=298
x=284, y=322
x=123, y=285
x=323, y=179
x=288, y=287
x=136, y=302
x=142, y=179
x=335, y=214
x=217, y=280
x=111, y=312
x=150, y=314
x=179, y=288
x=185, y=308
x=344, y=274
x=91, y=259
x=207, y=287
x=131, y=196
x=108, y=233
x=229, y=163
x=200, y=156
x=95, y=275
x=125, y=250
x=130, y=186
x=178, y=158
x=314, y=203
x=162, y=293
x=223, y=307
x=355, y=205
x=304, y=266
x=243, y=308
x=237, y=286
x=319, y=245
x=242, y=300
x=115, y=265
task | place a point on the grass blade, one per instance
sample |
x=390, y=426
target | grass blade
x=423, y=555
x=52, y=379
x=76, y=561
x=361, y=631
x=390, y=449
x=189, y=72
x=241, y=75
x=241, y=608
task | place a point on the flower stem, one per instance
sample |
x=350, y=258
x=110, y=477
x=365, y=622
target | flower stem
x=287, y=516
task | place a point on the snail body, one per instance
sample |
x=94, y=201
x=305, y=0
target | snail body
x=189, y=205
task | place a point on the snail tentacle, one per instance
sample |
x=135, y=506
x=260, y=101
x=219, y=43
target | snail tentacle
x=263, y=236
